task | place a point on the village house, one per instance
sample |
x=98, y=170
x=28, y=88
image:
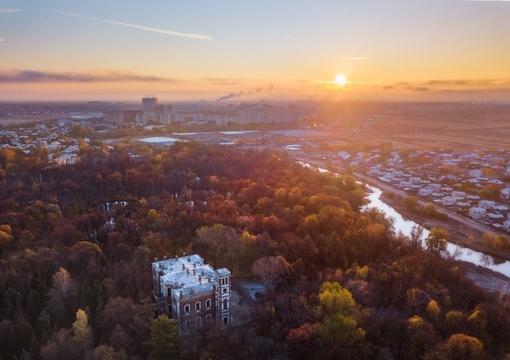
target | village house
x=505, y=194
x=477, y=212
x=458, y=195
x=425, y=192
x=448, y=201
x=506, y=225
x=192, y=292
x=486, y=204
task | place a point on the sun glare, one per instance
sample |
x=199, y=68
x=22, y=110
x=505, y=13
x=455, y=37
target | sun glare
x=340, y=80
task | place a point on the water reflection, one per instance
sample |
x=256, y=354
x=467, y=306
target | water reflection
x=405, y=226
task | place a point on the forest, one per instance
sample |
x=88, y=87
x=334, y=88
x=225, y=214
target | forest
x=77, y=242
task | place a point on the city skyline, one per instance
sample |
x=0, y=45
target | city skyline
x=193, y=50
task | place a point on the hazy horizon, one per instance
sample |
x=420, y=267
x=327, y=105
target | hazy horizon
x=451, y=50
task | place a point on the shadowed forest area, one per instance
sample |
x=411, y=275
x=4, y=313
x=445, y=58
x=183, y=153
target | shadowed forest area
x=77, y=242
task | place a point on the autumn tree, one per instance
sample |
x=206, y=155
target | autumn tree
x=502, y=242
x=488, y=239
x=433, y=311
x=340, y=310
x=248, y=252
x=411, y=203
x=221, y=244
x=82, y=334
x=421, y=337
x=431, y=211
x=164, y=339
x=460, y=346
x=492, y=241
x=437, y=241
x=152, y=216
x=60, y=346
x=5, y=236
x=105, y=352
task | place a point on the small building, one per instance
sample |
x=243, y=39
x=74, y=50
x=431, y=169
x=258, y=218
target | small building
x=425, y=192
x=495, y=216
x=415, y=180
x=192, y=292
x=506, y=225
x=477, y=212
x=458, y=195
x=434, y=187
x=448, y=200
x=505, y=193
x=486, y=204
x=475, y=173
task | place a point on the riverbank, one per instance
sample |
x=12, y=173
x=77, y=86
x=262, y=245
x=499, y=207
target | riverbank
x=462, y=234
x=489, y=280
x=463, y=231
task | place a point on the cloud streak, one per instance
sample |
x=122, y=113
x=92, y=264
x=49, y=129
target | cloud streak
x=222, y=81
x=141, y=27
x=455, y=85
x=8, y=11
x=31, y=76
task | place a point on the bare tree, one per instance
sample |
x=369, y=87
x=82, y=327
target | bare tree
x=62, y=297
x=269, y=269
x=416, y=235
x=63, y=283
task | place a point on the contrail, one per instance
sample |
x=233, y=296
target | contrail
x=141, y=27
x=7, y=11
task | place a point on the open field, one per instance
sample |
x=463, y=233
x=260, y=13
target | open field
x=454, y=126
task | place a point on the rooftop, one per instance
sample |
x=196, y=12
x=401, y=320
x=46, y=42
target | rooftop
x=187, y=275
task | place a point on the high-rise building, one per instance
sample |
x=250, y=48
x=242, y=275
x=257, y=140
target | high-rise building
x=154, y=112
x=149, y=104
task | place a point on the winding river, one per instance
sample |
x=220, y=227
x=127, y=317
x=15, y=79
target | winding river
x=405, y=226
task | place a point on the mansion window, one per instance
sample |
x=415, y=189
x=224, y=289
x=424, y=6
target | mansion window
x=199, y=321
x=208, y=303
x=187, y=308
x=197, y=305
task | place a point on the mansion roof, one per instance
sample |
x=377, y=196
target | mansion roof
x=187, y=276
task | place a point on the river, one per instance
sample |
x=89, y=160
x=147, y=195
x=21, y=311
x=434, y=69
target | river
x=405, y=226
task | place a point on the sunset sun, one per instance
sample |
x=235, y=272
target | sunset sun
x=340, y=80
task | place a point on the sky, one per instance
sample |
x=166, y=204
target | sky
x=123, y=50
